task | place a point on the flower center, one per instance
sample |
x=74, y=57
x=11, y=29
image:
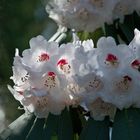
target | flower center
x=43, y=57
x=136, y=64
x=111, y=59
x=95, y=84
x=42, y=103
x=50, y=80
x=64, y=66
x=124, y=84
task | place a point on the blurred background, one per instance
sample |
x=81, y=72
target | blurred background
x=20, y=20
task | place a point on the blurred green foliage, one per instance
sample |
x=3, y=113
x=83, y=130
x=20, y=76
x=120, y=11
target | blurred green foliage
x=19, y=21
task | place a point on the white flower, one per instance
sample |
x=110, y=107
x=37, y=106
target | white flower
x=49, y=78
x=39, y=55
x=51, y=83
x=90, y=86
x=109, y=57
x=135, y=47
x=72, y=55
x=100, y=109
x=88, y=15
x=41, y=106
x=38, y=85
x=123, y=88
x=20, y=74
x=64, y=59
x=81, y=14
x=124, y=7
x=135, y=43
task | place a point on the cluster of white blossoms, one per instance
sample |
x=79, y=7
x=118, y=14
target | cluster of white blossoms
x=49, y=77
x=89, y=14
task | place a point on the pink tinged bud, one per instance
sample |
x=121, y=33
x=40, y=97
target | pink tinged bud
x=43, y=57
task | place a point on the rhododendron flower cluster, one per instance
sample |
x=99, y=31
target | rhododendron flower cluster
x=49, y=77
x=89, y=14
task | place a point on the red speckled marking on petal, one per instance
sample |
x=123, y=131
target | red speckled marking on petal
x=110, y=57
x=44, y=57
x=62, y=62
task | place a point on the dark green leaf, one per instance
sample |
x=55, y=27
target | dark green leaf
x=127, y=32
x=127, y=125
x=110, y=30
x=76, y=120
x=126, y=29
x=136, y=20
x=65, y=130
x=96, y=130
x=50, y=127
x=96, y=35
x=36, y=131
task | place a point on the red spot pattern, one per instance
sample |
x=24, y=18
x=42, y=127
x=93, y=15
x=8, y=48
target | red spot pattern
x=110, y=57
x=62, y=62
x=44, y=57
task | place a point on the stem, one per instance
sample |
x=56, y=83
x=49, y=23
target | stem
x=61, y=30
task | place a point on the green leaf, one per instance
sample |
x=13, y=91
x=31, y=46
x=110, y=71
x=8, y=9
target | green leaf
x=83, y=35
x=36, y=131
x=50, y=127
x=91, y=35
x=65, y=130
x=96, y=35
x=136, y=20
x=127, y=32
x=127, y=125
x=111, y=30
x=95, y=130
x=126, y=29
x=76, y=120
